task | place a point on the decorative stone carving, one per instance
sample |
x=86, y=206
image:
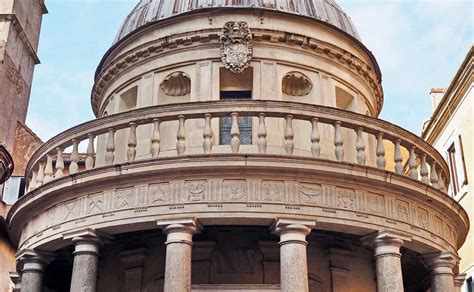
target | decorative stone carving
x=296, y=84
x=236, y=46
x=176, y=84
x=256, y=193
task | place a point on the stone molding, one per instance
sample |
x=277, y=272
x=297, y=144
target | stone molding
x=16, y=279
x=459, y=280
x=441, y=263
x=386, y=243
x=174, y=43
x=179, y=230
x=292, y=231
x=87, y=241
x=264, y=197
x=33, y=260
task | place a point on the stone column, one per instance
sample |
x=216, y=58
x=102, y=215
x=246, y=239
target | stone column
x=459, y=281
x=178, y=253
x=441, y=266
x=293, y=260
x=34, y=263
x=86, y=256
x=387, y=255
x=16, y=279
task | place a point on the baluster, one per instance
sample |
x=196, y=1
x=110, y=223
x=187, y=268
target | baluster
x=338, y=141
x=424, y=170
x=132, y=142
x=315, y=138
x=40, y=176
x=380, y=151
x=398, y=158
x=90, y=152
x=235, y=133
x=155, y=139
x=262, y=134
x=32, y=183
x=48, y=171
x=289, y=135
x=73, y=167
x=110, y=147
x=434, y=176
x=413, y=173
x=181, y=136
x=360, y=146
x=441, y=182
x=207, y=134
x=59, y=163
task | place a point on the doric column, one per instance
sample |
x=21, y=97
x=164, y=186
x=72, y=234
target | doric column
x=178, y=253
x=459, y=281
x=441, y=266
x=16, y=279
x=293, y=261
x=87, y=244
x=387, y=255
x=34, y=263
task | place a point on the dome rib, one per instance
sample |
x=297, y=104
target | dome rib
x=152, y=10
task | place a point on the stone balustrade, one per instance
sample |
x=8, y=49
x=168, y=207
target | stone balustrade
x=424, y=162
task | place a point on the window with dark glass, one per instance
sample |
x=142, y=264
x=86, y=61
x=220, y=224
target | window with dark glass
x=453, y=169
x=245, y=123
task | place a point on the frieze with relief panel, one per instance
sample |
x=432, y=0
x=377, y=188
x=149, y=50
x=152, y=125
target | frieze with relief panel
x=253, y=193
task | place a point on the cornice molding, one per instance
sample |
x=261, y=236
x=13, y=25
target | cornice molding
x=453, y=96
x=148, y=51
x=24, y=38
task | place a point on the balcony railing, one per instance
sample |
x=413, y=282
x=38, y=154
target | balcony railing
x=424, y=162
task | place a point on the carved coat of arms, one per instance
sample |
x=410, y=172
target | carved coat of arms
x=236, y=46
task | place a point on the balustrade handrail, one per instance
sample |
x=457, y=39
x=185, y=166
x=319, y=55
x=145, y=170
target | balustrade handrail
x=259, y=109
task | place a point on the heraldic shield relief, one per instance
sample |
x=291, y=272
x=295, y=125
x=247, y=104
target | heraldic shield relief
x=236, y=46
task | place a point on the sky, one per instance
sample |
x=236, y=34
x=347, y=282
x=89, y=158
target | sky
x=419, y=44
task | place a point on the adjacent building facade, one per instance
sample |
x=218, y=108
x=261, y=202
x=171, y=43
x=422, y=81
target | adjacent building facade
x=450, y=130
x=237, y=147
x=20, y=23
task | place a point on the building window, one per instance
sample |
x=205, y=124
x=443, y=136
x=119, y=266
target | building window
x=13, y=189
x=245, y=123
x=469, y=285
x=457, y=166
x=453, y=168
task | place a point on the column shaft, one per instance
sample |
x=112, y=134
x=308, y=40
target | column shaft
x=294, y=267
x=34, y=263
x=84, y=273
x=441, y=265
x=388, y=266
x=87, y=244
x=293, y=258
x=178, y=253
x=31, y=281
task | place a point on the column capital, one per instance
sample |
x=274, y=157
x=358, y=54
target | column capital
x=459, y=280
x=34, y=260
x=292, y=230
x=87, y=241
x=16, y=279
x=386, y=242
x=180, y=230
x=441, y=262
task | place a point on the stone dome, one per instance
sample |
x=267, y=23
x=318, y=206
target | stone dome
x=147, y=11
